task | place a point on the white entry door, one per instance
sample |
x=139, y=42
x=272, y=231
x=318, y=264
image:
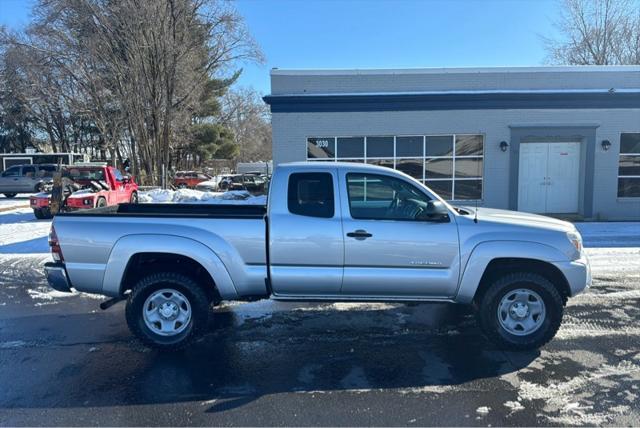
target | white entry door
x=549, y=177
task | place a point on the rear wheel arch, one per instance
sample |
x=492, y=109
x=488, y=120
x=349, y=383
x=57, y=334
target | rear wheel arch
x=141, y=265
x=171, y=246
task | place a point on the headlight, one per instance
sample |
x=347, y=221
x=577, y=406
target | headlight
x=87, y=202
x=576, y=240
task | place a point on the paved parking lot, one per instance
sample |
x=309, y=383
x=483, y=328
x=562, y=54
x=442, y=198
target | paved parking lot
x=65, y=362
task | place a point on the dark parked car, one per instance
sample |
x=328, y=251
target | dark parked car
x=249, y=182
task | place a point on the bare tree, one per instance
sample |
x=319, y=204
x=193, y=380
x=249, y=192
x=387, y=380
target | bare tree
x=244, y=112
x=129, y=77
x=596, y=32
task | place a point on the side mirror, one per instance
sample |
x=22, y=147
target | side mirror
x=435, y=211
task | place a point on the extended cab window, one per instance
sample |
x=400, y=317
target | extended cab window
x=380, y=197
x=311, y=194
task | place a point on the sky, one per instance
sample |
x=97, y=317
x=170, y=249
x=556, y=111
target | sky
x=311, y=34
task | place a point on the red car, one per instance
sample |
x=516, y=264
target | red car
x=88, y=186
x=189, y=179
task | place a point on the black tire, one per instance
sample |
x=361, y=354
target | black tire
x=42, y=213
x=487, y=311
x=102, y=202
x=188, y=288
x=10, y=195
x=39, y=188
x=182, y=186
x=134, y=198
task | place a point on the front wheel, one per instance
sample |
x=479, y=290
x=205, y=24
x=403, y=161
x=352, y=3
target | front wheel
x=42, y=213
x=167, y=310
x=102, y=202
x=520, y=311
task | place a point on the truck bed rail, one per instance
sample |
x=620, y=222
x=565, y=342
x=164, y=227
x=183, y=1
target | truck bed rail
x=175, y=210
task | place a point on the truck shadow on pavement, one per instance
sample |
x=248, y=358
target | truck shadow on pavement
x=412, y=349
x=279, y=348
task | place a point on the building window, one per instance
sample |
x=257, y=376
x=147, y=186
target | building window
x=451, y=165
x=351, y=147
x=629, y=166
x=321, y=148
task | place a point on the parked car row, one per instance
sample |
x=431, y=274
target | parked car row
x=189, y=179
x=256, y=183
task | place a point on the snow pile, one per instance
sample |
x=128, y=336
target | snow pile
x=190, y=196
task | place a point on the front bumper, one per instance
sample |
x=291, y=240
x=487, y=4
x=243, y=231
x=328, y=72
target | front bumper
x=57, y=277
x=75, y=207
x=577, y=273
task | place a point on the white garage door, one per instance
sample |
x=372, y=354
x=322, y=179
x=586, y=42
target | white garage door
x=549, y=177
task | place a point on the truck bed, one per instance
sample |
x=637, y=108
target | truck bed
x=93, y=239
x=176, y=210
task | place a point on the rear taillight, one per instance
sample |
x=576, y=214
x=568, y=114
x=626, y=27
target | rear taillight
x=56, y=251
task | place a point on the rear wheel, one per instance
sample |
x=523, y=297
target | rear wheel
x=134, y=198
x=167, y=310
x=102, y=202
x=520, y=311
x=10, y=195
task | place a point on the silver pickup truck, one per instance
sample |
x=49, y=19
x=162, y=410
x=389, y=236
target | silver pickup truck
x=330, y=232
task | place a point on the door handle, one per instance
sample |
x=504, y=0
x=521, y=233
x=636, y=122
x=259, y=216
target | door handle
x=359, y=234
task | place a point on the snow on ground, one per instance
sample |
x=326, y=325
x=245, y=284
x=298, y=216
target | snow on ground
x=21, y=200
x=191, y=196
x=21, y=233
x=610, y=234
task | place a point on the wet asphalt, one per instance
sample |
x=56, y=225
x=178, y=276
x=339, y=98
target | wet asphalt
x=63, y=361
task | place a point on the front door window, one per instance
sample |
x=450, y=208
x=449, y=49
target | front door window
x=380, y=197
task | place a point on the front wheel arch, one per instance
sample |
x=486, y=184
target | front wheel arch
x=502, y=266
